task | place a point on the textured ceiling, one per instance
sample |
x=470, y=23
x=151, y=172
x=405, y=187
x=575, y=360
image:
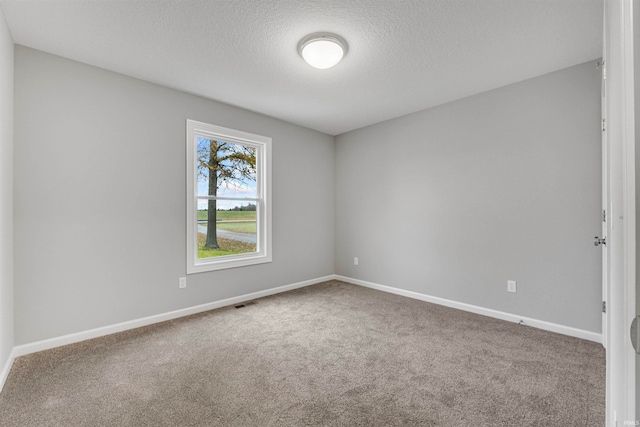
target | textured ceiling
x=404, y=56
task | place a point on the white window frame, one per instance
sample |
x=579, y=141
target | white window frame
x=262, y=144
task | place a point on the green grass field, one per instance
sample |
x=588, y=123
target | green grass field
x=236, y=227
x=230, y=215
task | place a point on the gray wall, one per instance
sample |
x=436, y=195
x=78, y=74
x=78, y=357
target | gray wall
x=455, y=200
x=100, y=199
x=6, y=191
x=451, y=202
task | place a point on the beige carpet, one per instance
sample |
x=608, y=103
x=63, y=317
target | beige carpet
x=331, y=354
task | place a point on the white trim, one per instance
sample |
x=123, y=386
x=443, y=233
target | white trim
x=540, y=324
x=620, y=367
x=629, y=204
x=4, y=373
x=47, y=344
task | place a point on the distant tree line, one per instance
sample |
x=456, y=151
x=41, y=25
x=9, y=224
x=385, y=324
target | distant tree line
x=249, y=207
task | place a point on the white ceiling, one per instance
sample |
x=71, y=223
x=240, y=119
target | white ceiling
x=404, y=56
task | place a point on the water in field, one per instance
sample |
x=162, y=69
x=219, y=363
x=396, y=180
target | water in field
x=232, y=230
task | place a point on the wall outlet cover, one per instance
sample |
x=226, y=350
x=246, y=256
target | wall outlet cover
x=511, y=286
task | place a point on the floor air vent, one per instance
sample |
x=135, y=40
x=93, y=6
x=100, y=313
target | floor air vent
x=245, y=304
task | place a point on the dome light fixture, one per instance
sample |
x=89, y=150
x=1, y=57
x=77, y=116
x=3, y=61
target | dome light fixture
x=322, y=50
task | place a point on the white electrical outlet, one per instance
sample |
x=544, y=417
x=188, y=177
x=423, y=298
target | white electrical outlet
x=511, y=285
x=182, y=282
x=355, y=260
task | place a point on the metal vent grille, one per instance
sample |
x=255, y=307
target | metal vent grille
x=244, y=304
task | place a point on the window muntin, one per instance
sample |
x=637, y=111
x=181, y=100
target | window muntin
x=228, y=185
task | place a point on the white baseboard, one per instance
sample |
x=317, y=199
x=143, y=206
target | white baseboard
x=47, y=344
x=4, y=373
x=540, y=324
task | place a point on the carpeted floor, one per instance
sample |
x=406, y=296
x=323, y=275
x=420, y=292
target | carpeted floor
x=331, y=354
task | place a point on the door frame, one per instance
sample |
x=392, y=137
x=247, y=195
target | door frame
x=621, y=265
x=606, y=209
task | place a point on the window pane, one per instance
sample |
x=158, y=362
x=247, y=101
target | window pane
x=226, y=169
x=235, y=231
x=202, y=161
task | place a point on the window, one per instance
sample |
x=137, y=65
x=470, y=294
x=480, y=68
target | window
x=228, y=203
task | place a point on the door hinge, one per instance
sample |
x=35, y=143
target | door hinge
x=604, y=306
x=603, y=122
x=602, y=64
x=604, y=215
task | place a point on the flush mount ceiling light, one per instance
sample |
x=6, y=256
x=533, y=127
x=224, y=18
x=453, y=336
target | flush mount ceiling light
x=322, y=50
